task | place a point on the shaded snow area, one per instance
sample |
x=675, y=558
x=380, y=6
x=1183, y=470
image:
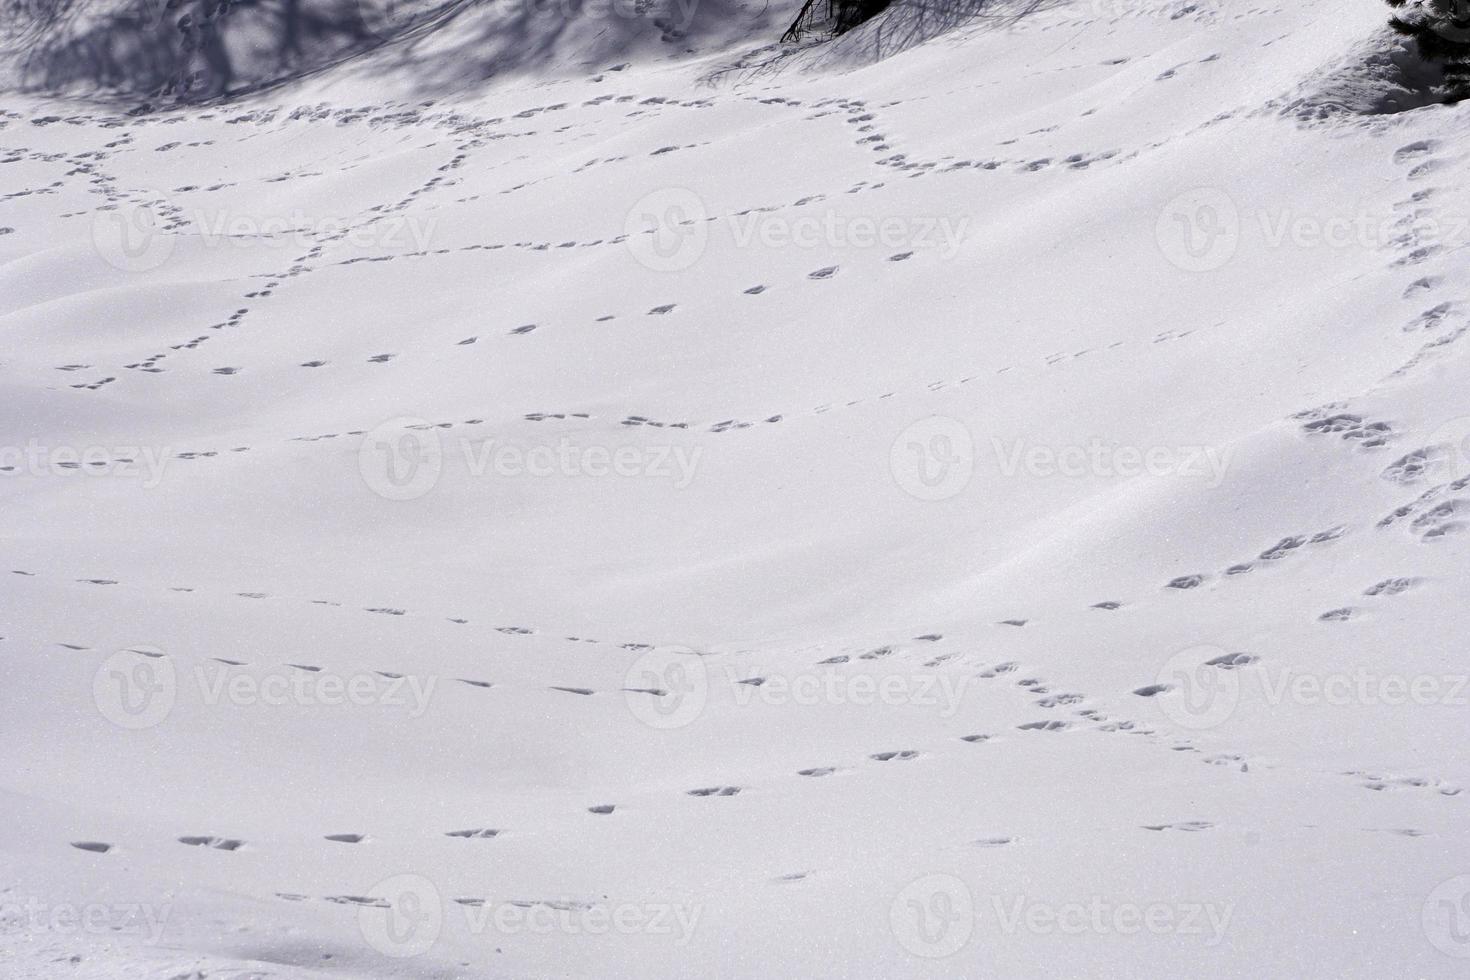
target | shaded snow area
x=586, y=490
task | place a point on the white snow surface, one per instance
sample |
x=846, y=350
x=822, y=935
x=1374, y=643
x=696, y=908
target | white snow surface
x=983, y=497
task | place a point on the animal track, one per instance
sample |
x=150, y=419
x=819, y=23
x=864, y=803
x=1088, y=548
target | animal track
x=213, y=843
x=1392, y=586
x=1048, y=162
x=363, y=901
x=1442, y=520
x=1347, y=426
x=1415, y=151
x=1381, y=783
x=1188, y=826
x=1410, y=467
x=1231, y=661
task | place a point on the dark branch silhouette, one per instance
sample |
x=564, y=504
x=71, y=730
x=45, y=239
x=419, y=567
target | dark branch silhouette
x=1440, y=30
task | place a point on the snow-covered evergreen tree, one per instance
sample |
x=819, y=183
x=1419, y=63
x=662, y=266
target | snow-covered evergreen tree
x=1441, y=31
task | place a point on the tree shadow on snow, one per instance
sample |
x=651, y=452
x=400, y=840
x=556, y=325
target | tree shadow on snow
x=197, y=50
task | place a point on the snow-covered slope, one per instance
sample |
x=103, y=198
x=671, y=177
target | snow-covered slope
x=148, y=53
x=986, y=497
